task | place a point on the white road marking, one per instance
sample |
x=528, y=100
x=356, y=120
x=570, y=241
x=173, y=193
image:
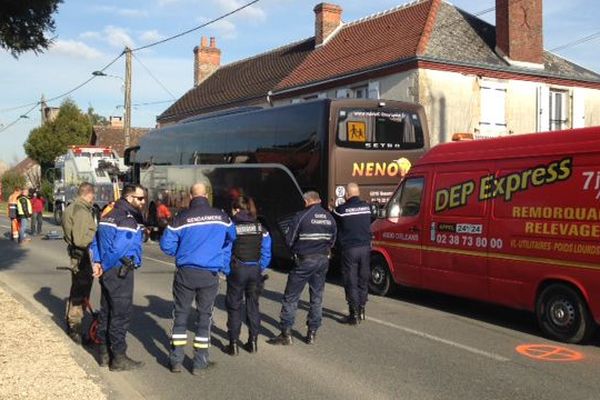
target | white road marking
x=159, y=261
x=440, y=340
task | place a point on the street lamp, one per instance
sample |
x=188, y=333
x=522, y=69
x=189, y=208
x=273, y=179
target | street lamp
x=127, y=87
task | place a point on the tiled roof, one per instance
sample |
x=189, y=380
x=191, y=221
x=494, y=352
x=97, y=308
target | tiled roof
x=427, y=30
x=372, y=41
x=24, y=165
x=113, y=136
x=239, y=83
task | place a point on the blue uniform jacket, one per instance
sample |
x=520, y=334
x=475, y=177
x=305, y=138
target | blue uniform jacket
x=120, y=234
x=200, y=237
x=354, y=219
x=312, y=231
x=265, y=247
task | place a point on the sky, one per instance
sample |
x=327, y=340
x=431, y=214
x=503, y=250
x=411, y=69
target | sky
x=90, y=34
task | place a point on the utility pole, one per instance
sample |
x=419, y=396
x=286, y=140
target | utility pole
x=127, y=103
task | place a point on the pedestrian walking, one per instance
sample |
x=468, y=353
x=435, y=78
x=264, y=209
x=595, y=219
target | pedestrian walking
x=311, y=236
x=200, y=238
x=117, y=253
x=79, y=229
x=13, y=213
x=24, y=212
x=38, y=204
x=354, y=219
x=251, y=255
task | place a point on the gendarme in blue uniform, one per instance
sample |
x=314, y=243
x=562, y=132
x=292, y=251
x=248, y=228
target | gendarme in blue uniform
x=354, y=219
x=200, y=238
x=119, y=235
x=311, y=236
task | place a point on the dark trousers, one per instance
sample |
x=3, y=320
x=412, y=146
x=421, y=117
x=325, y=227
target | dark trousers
x=36, y=223
x=203, y=285
x=81, y=286
x=356, y=269
x=311, y=269
x=116, y=304
x=243, y=280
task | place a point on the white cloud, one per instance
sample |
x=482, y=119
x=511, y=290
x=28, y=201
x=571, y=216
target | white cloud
x=76, y=49
x=118, y=37
x=90, y=35
x=150, y=36
x=222, y=29
x=254, y=13
x=124, y=12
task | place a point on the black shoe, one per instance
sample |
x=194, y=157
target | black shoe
x=176, y=368
x=76, y=337
x=251, y=345
x=202, y=371
x=310, y=336
x=284, y=338
x=123, y=363
x=232, y=349
x=103, y=357
x=351, y=318
x=361, y=314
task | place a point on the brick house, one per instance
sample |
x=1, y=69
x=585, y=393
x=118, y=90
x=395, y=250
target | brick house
x=112, y=135
x=469, y=75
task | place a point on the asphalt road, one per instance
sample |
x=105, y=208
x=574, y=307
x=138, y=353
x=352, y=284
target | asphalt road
x=414, y=345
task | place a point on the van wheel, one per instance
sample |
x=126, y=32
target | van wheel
x=380, y=281
x=563, y=315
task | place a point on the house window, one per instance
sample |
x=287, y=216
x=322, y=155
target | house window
x=492, y=121
x=360, y=92
x=559, y=110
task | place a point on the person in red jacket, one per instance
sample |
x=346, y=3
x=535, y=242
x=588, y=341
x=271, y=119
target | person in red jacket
x=37, y=204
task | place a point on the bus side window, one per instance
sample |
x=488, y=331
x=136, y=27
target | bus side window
x=406, y=202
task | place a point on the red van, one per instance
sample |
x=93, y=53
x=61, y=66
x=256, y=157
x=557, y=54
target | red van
x=513, y=221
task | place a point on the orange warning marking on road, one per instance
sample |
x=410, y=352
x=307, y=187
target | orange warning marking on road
x=545, y=352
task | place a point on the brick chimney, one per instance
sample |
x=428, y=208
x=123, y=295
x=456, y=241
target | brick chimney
x=207, y=59
x=328, y=17
x=519, y=31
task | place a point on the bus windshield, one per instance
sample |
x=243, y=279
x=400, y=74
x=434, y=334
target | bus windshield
x=379, y=129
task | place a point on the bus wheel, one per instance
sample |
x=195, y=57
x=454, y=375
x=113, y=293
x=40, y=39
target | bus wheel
x=380, y=282
x=563, y=315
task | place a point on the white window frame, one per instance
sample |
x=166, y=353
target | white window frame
x=558, y=109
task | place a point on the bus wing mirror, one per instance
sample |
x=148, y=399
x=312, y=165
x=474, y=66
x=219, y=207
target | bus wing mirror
x=129, y=155
x=377, y=210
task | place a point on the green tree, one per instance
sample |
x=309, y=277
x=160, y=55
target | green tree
x=25, y=23
x=71, y=127
x=10, y=180
x=96, y=119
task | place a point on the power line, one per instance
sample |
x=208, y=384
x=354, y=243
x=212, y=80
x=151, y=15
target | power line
x=19, y=118
x=154, y=77
x=577, y=42
x=63, y=94
x=197, y=27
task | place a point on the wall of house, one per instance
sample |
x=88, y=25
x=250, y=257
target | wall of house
x=451, y=102
x=521, y=106
x=592, y=106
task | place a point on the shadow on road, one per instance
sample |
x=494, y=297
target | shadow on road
x=12, y=253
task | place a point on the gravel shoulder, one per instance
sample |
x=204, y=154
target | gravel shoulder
x=36, y=361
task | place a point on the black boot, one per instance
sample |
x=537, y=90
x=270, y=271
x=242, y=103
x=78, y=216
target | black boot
x=310, y=336
x=121, y=362
x=361, y=314
x=284, y=338
x=251, y=345
x=232, y=349
x=352, y=317
x=103, y=357
x=74, y=332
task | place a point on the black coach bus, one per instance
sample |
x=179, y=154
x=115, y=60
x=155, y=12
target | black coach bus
x=274, y=154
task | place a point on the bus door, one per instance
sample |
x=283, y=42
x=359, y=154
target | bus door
x=403, y=234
